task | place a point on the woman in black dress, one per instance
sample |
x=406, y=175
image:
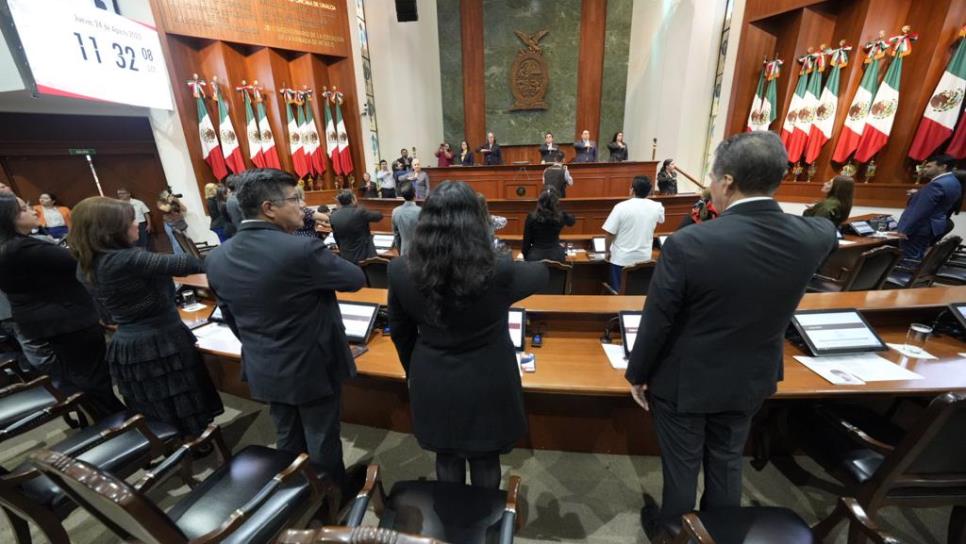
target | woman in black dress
x=541, y=232
x=617, y=147
x=448, y=302
x=667, y=178
x=52, y=310
x=152, y=356
x=465, y=156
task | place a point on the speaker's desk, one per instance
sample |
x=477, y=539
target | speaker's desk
x=577, y=402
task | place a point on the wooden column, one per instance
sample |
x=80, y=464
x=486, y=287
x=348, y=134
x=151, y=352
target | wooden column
x=590, y=71
x=474, y=90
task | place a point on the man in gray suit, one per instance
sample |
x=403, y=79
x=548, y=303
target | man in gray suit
x=404, y=219
x=277, y=293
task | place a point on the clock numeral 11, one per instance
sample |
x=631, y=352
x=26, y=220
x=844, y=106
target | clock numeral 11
x=80, y=43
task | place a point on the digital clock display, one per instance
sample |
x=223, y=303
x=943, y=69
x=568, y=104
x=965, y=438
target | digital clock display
x=74, y=49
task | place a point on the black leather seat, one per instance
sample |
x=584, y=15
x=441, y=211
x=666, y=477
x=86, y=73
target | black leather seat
x=445, y=511
x=209, y=504
x=753, y=525
x=121, y=455
x=15, y=407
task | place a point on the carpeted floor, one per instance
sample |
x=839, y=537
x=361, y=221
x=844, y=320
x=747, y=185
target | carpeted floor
x=567, y=497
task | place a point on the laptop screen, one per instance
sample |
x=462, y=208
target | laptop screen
x=382, y=241
x=828, y=332
x=518, y=327
x=600, y=244
x=358, y=319
x=630, y=323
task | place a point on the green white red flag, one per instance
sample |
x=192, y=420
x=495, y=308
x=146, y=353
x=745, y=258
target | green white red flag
x=268, y=139
x=295, y=145
x=210, y=149
x=942, y=110
x=957, y=146
x=763, y=110
x=821, y=130
x=806, y=115
x=230, y=148
x=861, y=103
x=331, y=136
x=788, y=134
x=252, y=133
x=882, y=114
x=345, y=159
x=310, y=136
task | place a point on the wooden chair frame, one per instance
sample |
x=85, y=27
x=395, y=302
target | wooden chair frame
x=63, y=406
x=363, y=264
x=154, y=521
x=624, y=273
x=568, y=270
x=846, y=277
x=924, y=275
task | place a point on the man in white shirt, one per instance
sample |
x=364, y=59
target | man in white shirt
x=141, y=212
x=630, y=229
x=386, y=181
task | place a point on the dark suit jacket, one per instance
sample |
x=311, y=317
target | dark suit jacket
x=713, y=333
x=555, y=177
x=467, y=159
x=277, y=293
x=350, y=226
x=585, y=154
x=551, y=155
x=928, y=209
x=40, y=280
x=494, y=157
x=464, y=383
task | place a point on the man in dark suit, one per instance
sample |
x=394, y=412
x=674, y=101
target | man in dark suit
x=277, y=293
x=585, y=148
x=350, y=226
x=928, y=215
x=492, y=156
x=712, y=335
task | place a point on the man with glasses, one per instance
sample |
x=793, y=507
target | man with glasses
x=277, y=293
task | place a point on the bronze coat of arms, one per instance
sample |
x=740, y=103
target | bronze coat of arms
x=529, y=76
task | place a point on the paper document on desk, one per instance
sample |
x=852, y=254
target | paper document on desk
x=218, y=337
x=867, y=367
x=615, y=355
x=846, y=242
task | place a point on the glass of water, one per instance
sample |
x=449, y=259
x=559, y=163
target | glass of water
x=916, y=337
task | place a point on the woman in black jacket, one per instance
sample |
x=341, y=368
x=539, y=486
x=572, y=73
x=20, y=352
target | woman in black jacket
x=448, y=302
x=541, y=232
x=465, y=156
x=617, y=147
x=51, y=308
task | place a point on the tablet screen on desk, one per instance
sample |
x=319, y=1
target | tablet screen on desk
x=828, y=332
x=518, y=327
x=216, y=314
x=630, y=323
x=600, y=244
x=382, y=241
x=959, y=312
x=862, y=228
x=358, y=319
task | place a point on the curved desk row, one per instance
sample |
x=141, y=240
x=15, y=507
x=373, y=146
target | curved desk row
x=577, y=402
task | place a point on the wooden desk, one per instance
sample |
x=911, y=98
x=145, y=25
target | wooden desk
x=577, y=402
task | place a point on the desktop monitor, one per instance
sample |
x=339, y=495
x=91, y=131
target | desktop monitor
x=831, y=332
x=382, y=241
x=630, y=323
x=600, y=244
x=358, y=319
x=518, y=328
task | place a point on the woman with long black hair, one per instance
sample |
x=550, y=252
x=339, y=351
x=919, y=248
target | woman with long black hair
x=448, y=302
x=541, y=232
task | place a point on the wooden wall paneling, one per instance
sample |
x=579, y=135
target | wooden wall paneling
x=342, y=75
x=756, y=10
x=937, y=23
x=228, y=63
x=590, y=69
x=270, y=69
x=474, y=89
x=755, y=45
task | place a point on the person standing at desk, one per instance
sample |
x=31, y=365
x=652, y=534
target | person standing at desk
x=630, y=229
x=837, y=204
x=712, y=335
x=419, y=179
x=350, y=226
x=141, y=214
x=617, y=148
x=404, y=162
x=586, y=149
x=541, y=232
x=277, y=293
x=549, y=151
x=667, y=178
x=558, y=176
x=928, y=214
x=465, y=157
x=404, y=219
x=448, y=302
x=444, y=156
x=386, y=180
x=491, y=151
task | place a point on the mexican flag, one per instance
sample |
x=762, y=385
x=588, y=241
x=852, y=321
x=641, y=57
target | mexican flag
x=942, y=111
x=229, y=140
x=882, y=114
x=821, y=130
x=254, y=135
x=858, y=112
x=295, y=146
x=310, y=138
x=788, y=135
x=344, y=157
x=209, y=139
x=268, y=139
x=806, y=115
x=332, y=140
x=755, y=118
x=957, y=146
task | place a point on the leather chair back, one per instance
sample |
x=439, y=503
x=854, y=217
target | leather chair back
x=376, y=270
x=111, y=500
x=560, y=278
x=872, y=269
x=935, y=258
x=636, y=279
x=187, y=245
x=355, y=535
